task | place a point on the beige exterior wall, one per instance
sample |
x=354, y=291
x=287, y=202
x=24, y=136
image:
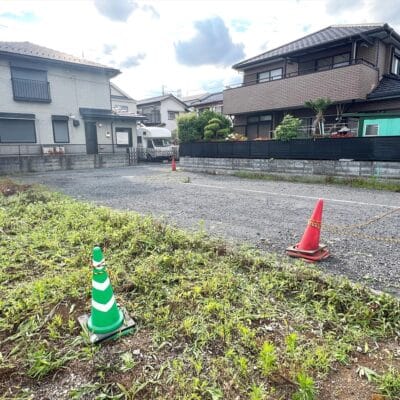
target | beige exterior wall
x=383, y=55
x=339, y=84
x=368, y=53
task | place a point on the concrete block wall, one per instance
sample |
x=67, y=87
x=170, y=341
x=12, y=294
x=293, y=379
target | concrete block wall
x=15, y=164
x=377, y=169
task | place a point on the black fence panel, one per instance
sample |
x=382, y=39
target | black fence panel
x=386, y=148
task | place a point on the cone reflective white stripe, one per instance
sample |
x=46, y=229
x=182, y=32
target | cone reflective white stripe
x=101, y=286
x=103, y=307
x=97, y=263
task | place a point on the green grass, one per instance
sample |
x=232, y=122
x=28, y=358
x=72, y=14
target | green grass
x=366, y=183
x=213, y=322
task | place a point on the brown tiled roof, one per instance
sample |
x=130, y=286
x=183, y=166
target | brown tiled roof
x=33, y=50
x=324, y=36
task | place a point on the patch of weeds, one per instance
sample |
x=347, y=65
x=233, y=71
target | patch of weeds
x=366, y=183
x=267, y=358
x=389, y=384
x=257, y=392
x=306, y=388
x=128, y=362
x=220, y=323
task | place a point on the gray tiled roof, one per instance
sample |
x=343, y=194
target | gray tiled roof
x=157, y=99
x=212, y=98
x=388, y=87
x=326, y=35
x=34, y=50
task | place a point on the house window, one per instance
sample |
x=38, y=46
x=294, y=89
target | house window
x=152, y=113
x=371, y=130
x=30, y=85
x=324, y=64
x=17, y=131
x=340, y=60
x=60, y=129
x=172, y=115
x=271, y=75
x=259, y=126
x=396, y=65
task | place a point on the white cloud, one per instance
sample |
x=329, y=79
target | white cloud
x=77, y=27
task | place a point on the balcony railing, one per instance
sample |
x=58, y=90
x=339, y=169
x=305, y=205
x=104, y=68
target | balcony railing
x=31, y=90
x=301, y=72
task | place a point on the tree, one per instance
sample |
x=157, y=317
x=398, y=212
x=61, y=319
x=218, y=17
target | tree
x=319, y=106
x=288, y=128
x=191, y=127
x=187, y=128
x=215, y=130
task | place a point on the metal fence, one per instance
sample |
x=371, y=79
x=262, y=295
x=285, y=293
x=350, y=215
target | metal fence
x=354, y=148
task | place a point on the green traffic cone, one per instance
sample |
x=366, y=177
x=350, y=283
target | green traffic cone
x=105, y=316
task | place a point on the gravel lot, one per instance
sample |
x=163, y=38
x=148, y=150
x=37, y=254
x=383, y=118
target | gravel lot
x=269, y=215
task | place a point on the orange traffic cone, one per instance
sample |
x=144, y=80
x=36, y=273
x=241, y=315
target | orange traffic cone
x=173, y=164
x=309, y=247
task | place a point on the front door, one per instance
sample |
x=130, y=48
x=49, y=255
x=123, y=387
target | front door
x=91, y=137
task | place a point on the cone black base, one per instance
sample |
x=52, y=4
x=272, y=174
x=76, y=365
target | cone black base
x=310, y=256
x=126, y=328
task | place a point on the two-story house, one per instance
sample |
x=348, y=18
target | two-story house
x=356, y=66
x=49, y=98
x=162, y=110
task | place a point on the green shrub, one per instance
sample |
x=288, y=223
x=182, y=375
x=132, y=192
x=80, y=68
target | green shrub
x=206, y=126
x=288, y=128
x=187, y=128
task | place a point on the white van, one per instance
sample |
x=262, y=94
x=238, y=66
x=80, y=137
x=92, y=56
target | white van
x=154, y=143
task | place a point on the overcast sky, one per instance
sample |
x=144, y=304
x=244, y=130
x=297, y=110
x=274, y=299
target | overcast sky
x=183, y=44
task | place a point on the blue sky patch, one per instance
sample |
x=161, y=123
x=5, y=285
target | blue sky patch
x=240, y=25
x=24, y=17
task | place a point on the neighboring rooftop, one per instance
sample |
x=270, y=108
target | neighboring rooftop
x=194, y=98
x=324, y=36
x=29, y=49
x=211, y=98
x=158, y=99
x=388, y=87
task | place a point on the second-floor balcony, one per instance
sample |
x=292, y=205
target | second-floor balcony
x=153, y=118
x=340, y=84
x=31, y=90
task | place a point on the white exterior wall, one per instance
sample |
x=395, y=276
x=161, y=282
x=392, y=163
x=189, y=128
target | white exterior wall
x=70, y=89
x=131, y=104
x=117, y=98
x=170, y=105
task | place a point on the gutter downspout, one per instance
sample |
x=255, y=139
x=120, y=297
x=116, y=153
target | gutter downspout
x=112, y=136
x=354, y=52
